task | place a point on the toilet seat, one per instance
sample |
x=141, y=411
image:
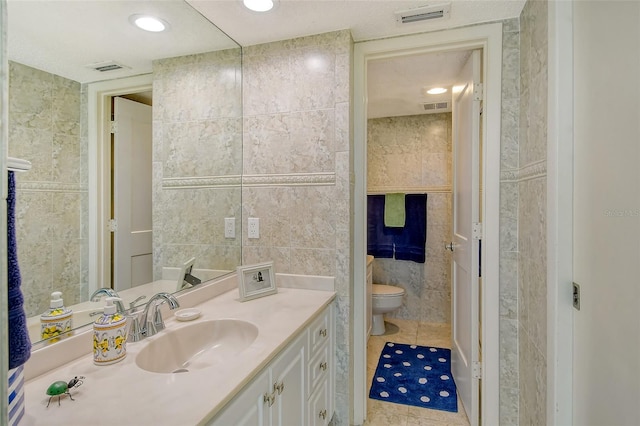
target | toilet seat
x=387, y=290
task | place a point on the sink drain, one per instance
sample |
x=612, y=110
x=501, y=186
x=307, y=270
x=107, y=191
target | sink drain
x=180, y=370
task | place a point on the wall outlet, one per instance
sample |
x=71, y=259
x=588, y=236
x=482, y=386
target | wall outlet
x=254, y=227
x=229, y=227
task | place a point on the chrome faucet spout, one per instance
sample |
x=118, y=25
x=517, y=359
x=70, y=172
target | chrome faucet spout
x=149, y=327
x=110, y=293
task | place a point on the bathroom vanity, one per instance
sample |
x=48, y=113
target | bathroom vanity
x=297, y=387
x=283, y=374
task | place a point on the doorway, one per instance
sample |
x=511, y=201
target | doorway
x=99, y=109
x=488, y=38
x=131, y=188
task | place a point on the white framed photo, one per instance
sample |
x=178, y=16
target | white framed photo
x=185, y=270
x=256, y=281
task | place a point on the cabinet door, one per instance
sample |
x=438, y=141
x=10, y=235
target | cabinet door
x=249, y=407
x=287, y=375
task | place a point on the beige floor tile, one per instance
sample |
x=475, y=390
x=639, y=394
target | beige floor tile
x=375, y=345
x=376, y=406
x=400, y=331
x=417, y=421
x=385, y=419
x=434, y=342
x=459, y=418
x=434, y=334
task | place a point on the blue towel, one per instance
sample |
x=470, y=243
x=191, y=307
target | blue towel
x=19, y=342
x=379, y=237
x=410, y=242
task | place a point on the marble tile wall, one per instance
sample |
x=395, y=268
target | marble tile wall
x=414, y=152
x=197, y=159
x=508, y=281
x=532, y=188
x=51, y=216
x=297, y=168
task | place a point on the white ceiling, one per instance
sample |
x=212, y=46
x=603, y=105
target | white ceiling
x=396, y=86
x=65, y=36
x=367, y=19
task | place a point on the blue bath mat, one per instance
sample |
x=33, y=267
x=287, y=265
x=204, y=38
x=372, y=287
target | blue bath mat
x=415, y=375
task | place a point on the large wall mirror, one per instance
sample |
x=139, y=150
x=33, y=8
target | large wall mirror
x=128, y=206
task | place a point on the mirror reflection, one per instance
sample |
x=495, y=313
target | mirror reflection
x=129, y=212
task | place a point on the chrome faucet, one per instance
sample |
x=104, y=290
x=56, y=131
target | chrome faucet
x=110, y=293
x=145, y=327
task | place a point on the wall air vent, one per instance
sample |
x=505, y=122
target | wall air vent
x=425, y=13
x=107, y=66
x=436, y=106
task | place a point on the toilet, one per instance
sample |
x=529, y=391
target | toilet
x=385, y=299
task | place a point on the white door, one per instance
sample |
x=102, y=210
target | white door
x=132, y=256
x=465, y=265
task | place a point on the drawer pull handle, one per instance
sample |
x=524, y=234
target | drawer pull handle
x=323, y=366
x=269, y=398
x=279, y=387
x=323, y=332
x=323, y=414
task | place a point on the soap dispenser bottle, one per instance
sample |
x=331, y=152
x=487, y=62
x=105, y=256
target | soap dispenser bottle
x=56, y=322
x=110, y=335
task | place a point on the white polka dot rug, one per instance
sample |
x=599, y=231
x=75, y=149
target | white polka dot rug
x=415, y=375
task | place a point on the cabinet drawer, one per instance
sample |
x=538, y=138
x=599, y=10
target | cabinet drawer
x=319, y=411
x=318, y=368
x=319, y=332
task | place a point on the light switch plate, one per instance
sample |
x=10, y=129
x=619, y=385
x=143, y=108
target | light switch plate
x=229, y=227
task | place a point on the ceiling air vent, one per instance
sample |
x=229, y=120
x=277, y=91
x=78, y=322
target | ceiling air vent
x=435, y=106
x=107, y=66
x=439, y=11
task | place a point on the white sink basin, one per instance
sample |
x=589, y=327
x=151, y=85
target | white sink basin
x=196, y=346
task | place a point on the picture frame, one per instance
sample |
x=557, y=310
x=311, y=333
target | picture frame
x=256, y=281
x=184, y=277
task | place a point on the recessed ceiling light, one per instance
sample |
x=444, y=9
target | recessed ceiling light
x=436, y=91
x=259, y=5
x=149, y=23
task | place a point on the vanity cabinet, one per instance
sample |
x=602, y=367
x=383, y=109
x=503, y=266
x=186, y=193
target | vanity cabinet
x=296, y=388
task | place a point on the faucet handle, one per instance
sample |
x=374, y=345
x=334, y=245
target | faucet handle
x=135, y=331
x=158, y=322
x=133, y=304
x=150, y=328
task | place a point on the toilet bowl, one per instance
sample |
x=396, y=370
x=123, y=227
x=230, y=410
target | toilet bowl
x=385, y=299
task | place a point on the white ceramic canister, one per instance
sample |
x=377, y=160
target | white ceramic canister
x=56, y=322
x=110, y=335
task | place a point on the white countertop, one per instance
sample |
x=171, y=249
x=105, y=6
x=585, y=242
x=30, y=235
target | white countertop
x=124, y=394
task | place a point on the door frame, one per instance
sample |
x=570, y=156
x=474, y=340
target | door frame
x=99, y=140
x=560, y=215
x=487, y=37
